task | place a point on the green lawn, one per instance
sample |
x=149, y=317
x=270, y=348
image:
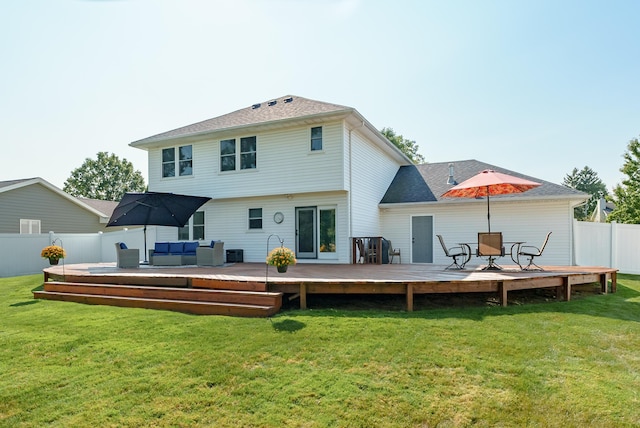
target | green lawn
x=558, y=364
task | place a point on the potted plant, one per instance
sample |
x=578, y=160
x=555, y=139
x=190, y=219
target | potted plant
x=281, y=257
x=53, y=253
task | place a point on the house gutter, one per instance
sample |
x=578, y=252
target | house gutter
x=457, y=201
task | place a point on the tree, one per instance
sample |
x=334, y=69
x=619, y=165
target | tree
x=107, y=178
x=408, y=147
x=626, y=196
x=586, y=181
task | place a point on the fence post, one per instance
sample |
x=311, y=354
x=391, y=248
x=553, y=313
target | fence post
x=614, y=245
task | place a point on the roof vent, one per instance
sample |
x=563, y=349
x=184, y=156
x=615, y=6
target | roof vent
x=272, y=103
x=451, y=180
x=255, y=106
x=288, y=100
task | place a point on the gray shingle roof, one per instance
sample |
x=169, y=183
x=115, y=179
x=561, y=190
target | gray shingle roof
x=427, y=182
x=12, y=182
x=277, y=109
x=105, y=207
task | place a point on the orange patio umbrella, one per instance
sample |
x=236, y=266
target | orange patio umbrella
x=487, y=183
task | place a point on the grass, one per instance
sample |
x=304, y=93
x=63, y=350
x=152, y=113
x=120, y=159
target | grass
x=569, y=364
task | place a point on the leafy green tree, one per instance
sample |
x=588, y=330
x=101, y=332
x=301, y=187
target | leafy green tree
x=106, y=178
x=408, y=147
x=626, y=196
x=586, y=180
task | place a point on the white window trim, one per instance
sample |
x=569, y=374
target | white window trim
x=29, y=224
x=176, y=163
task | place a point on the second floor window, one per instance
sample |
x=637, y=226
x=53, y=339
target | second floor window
x=316, y=138
x=233, y=157
x=183, y=163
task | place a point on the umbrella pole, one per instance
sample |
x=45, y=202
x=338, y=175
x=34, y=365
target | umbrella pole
x=488, y=211
x=145, y=244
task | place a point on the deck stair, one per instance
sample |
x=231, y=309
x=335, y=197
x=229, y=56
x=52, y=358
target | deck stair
x=201, y=301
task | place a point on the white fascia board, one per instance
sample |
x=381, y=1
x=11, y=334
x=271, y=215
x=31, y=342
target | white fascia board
x=457, y=201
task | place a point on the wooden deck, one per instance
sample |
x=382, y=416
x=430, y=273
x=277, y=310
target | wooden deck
x=174, y=287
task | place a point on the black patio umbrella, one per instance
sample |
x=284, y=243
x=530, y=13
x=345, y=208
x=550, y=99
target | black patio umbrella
x=155, y=208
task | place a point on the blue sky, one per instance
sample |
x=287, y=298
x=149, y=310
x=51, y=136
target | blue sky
x=539, y=87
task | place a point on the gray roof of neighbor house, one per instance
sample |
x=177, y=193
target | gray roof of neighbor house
x=427, y=183
x=10, y=183
x=105, y=207
x=274, y=110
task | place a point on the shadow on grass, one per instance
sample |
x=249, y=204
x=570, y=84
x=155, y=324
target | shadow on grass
x=28, y=302
x=585, y=300
x=288, y=325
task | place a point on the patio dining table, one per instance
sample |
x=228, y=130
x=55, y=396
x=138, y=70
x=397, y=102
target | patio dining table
x=491, y=265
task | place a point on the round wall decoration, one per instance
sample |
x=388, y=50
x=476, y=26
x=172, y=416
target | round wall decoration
x=278, y=217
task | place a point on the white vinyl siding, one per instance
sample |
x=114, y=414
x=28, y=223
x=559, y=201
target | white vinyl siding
x=373, y=172
x=227, y=221
x=285, y=165
x=461, y=222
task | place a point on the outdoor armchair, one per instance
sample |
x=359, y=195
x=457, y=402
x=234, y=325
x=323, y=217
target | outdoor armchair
x=127, y=257
x=211, y=256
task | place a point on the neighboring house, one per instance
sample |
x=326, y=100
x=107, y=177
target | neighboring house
x=317, y=174
x=602, y=211
x=33, y=206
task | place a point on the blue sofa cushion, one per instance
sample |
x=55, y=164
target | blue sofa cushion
x=190, y=248
x=176, y=247
x=161, y=248
x=123, y=246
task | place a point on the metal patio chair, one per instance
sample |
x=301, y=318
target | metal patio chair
x=462, y=251
x=532, y=252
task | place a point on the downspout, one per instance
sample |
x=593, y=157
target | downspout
x=350, y=210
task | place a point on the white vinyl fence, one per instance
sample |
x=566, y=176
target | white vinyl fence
x=20, y=254
x=607, y=244
x=594, y=244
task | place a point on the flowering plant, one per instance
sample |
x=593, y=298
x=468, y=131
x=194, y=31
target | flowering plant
x=53, y=252
x=281, y=256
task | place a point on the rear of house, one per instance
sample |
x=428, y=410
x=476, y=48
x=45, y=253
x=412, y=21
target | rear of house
x=310, y=172
x=317, y=174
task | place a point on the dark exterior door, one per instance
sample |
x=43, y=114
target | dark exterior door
x=306, y=233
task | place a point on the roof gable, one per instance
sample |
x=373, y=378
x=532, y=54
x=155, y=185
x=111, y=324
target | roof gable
x=427, y=182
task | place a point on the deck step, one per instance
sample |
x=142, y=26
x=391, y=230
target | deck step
x=192, y=307
x=196, y=301
x=217, y=284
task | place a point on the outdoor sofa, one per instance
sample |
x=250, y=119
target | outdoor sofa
x=173, y=253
